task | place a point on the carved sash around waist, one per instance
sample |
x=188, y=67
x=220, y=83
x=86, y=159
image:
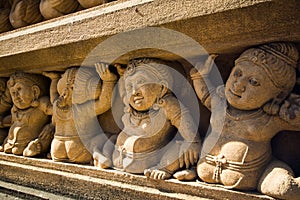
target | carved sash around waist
x=221, y=162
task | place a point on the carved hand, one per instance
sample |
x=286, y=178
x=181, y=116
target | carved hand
x=189, y=154
x=104, y=72
x=52, y=75
x=121, y=70
x=206, y=68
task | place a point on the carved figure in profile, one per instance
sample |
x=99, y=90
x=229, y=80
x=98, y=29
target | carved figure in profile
x=29, y=115
x=258, y=103
x=24, y=13
x=5, y=106
x=149, y=142
x=75, y=141
x=56, y=8
x=92, y=3
x=4, y=16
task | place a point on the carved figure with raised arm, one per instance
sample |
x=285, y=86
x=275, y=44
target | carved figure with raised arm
x=5, y=106
x=257, y=103
x=73, y=142
x=149, y=142
x=29, y=134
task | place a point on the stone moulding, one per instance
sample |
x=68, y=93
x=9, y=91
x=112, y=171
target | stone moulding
x=90, y=182
x=33, y=48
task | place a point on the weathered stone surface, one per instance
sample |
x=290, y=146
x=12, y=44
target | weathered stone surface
x=29, y=133
x=219, y=26
x=154, y=119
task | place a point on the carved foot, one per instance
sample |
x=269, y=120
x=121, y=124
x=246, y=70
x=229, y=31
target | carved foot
x=278, y=181
x=101, y=161
x=186, y=175
x=33, y=148
x=159, y=174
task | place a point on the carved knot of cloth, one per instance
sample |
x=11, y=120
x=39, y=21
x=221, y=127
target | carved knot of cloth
x=221, y=163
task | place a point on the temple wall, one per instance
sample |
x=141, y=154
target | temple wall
x=223, y=27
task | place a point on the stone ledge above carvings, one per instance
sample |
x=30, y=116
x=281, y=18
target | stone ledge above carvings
x=90, y=182
x=219, y=26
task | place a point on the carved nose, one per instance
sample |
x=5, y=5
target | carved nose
x=64, y=94
x=135, y=91
x=239, y=86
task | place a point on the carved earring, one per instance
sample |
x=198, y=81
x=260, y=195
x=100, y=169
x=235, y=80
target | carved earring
x=156, y=104
x=35, y=102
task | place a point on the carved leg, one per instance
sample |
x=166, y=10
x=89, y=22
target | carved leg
x=58, y=150
x=42, y=143
x=104, y=160
x=168, y=165
x=186, y=174
x=76, y=152
x=278, y=181
x=18, y=149
x=7, y=147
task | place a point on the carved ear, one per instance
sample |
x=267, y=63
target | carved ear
x=36, y=91
x=164, y=88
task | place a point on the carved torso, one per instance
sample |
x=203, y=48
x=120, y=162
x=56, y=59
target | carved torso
x=27, y=124
x=238, y=146
x=63, y=119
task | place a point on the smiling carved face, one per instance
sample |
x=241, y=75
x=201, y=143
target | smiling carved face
x=142, y=91
x=248, y=87
x=23, y=94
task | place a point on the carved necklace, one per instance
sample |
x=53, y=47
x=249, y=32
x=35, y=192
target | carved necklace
x=238, y=115
x=19, y=113
x=136, y=118
x=62, y=113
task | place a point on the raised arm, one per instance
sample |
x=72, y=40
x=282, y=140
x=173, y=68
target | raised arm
x=109, y=80
x=53, y=87
x=201, y=83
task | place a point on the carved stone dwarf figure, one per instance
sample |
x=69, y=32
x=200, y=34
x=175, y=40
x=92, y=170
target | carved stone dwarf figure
x=257, y=104
x=73, y=140
x=149, y=142
x=24, y=13
x=28, y=135
x=56, y=8
x=5, y=106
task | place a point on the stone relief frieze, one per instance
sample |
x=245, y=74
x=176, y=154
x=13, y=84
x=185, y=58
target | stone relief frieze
x=158, y=137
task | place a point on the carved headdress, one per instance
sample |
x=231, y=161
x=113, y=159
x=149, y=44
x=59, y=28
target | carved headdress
x=278, y=60
x=32, y=79
x=87, y=85
x=157, y=69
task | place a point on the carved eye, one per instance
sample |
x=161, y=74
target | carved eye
x=254, y=82
x=238, y=73
x=141, y=81
x=129, y=87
